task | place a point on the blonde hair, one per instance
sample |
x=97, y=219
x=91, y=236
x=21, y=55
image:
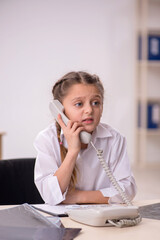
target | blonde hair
x=60, y=90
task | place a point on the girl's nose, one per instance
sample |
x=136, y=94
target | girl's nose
x=88, y=108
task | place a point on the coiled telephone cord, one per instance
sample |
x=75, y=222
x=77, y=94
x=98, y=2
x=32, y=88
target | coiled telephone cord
x=121, y=222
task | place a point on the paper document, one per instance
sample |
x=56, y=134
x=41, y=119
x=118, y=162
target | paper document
x=61, y=209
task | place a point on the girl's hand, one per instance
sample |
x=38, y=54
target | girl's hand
x=85, y=197
x=73, y=197
x=71, y=133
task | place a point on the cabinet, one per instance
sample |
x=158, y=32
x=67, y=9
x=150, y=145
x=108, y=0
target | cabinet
x=148, y=82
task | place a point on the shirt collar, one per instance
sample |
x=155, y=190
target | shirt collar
x=102, y=131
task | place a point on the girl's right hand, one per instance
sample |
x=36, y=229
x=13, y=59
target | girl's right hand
x=71, y=133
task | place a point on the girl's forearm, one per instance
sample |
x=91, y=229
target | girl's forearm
x=85, y=197
x=64, y=172
x=94, y=197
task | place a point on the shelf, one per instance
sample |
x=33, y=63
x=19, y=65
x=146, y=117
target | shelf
x=148, y=80
x=153, y=31
x=146, y=100
x=155, y=132
x=149, y=63
x=149, y=31
x=149, y=132
x=153, y=100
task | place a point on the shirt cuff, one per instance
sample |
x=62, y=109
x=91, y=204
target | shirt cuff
x=113, y=194
x=53, y=194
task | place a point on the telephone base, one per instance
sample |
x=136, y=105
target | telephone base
x=103, y=215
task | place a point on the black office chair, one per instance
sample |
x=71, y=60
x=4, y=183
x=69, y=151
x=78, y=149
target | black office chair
x=17, y=182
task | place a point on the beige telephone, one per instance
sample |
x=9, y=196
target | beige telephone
x=117, y=215
x=105, y=215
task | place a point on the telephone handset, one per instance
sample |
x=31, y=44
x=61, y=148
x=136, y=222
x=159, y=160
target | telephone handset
x=57, y=108
x=119, y=216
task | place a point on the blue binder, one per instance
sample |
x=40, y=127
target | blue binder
x=151, y=123
x=154, y=48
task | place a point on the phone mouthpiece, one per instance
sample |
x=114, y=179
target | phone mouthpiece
x=85, y=137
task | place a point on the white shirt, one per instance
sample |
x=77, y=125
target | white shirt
x=90, y=175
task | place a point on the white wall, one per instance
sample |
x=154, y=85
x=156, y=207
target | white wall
x=43, y=39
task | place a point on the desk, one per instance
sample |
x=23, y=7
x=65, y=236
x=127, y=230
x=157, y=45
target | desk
x=146, y=230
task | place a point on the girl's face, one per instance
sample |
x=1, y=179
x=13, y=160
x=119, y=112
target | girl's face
x=84, y=104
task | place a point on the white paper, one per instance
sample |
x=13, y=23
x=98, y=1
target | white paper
x=62, y=208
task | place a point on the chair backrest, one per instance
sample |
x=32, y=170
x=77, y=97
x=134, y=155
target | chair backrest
x=17, y=182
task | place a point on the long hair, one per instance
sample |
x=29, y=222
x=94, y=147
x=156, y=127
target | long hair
x=60, y=90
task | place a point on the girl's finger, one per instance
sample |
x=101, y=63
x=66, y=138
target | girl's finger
x=75, y=126
x=62, y=124
x=60, y=121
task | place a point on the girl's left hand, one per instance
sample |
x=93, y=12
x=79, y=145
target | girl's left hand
x=85, y=197
x=73, y=197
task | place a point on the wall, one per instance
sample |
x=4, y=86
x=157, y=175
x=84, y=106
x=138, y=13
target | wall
x=43, y=39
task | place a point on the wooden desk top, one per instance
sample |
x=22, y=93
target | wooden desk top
x=146, y=230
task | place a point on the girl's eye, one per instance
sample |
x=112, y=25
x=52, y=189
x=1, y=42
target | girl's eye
x=96, y=103
x=79, y=104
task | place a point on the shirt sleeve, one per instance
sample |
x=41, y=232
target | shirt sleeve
x=120, y=167
x=45, y=167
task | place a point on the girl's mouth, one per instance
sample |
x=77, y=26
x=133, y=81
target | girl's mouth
x=88, y=120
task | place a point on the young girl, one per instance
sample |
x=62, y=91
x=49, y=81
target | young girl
x=68, y=171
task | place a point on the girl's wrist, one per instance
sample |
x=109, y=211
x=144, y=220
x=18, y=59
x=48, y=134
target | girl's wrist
x=91, y=197
x=72, y=153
